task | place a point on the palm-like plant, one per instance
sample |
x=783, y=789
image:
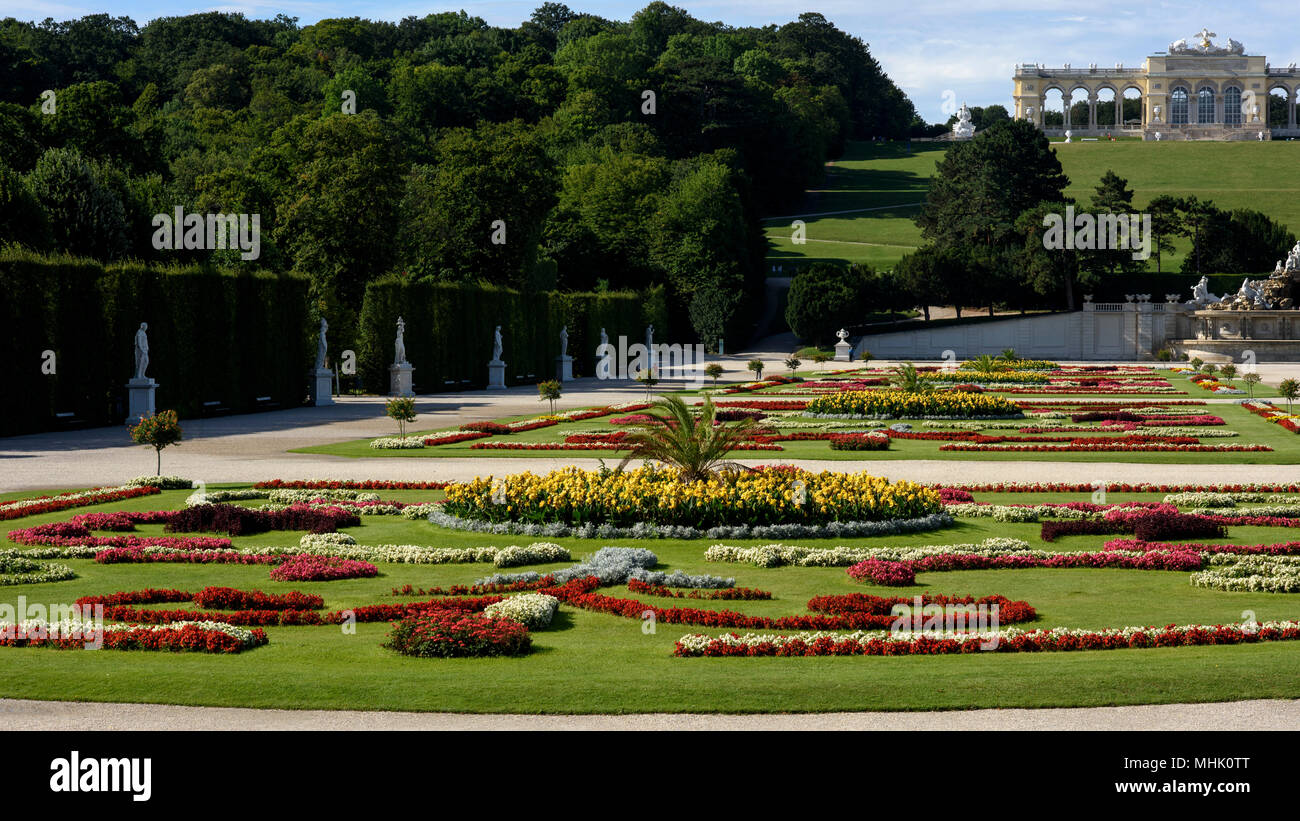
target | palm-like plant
x=907, y=378
x=692, y=445
x=985, y=364
x=1008, y=355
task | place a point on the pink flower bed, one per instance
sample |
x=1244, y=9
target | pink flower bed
x=322, y=569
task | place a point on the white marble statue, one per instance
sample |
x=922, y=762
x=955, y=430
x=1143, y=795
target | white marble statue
x=564, y=341
x=1069, y=135
x=963, y=129
x=1157, y=111
x=321, y=347
x=1293, y=258
x=399, y=357
x=496, y=344
x=1178, y=46
x=604, y=337
x=141, y=351
x=1201, y=295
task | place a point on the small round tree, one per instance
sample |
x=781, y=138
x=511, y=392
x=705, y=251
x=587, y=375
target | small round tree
x=1288, y=389
x=157, y=431
x=1196, y=362
x=401, y=409
x=647, y=377
x=1228, y=371
x=1251, y=379
x=714, y=370
x=549, y=391
x=793, y=364
x=756, y=365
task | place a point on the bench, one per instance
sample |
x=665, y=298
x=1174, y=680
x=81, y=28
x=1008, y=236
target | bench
x=69, y=419
x=265, y=403
x=214, y=408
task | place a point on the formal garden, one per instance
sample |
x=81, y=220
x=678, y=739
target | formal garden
x=679, y=580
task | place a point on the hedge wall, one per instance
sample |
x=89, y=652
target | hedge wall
x=213, y=335
x=449, y=330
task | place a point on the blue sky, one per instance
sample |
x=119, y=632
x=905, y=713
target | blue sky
x=929, y=47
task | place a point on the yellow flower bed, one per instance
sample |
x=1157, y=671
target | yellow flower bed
x=657, y=496
x=895, y=404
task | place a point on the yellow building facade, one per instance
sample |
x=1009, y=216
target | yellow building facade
x=1196, y=90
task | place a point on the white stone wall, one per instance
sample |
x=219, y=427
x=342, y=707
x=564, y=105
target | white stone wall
x=1102, y=331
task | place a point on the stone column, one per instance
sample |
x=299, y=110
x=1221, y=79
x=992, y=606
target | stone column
x=1119, y=111
x=1290, y=108
x=1092, y=111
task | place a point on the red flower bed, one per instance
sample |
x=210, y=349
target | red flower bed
x=738, y=415
x=473, y=589
x=579, y=593
x=859, y=441
x=345, y=484
x=237, y=520
x=1279, y=549
x=546, y=446
x=1085, y=445
x=310, y=568
x=885, y=573
x=763, y=404
x=721, y=594
x=1147, y=525
x=53, y=504
x=490, y=428
x=954, y=495
x=228, y=598
x=450, y=633
x=189, y=638
x=595, y=438
x=636, y=419
x=1121, y=487
x=434, y=441
x=149, y=595
x=1009, y=612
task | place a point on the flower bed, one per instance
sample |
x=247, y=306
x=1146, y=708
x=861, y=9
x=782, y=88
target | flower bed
x=15, y=569
x=228, y=598
x=1012, y=640
x=337, y=484
x=448, y=634
x=1271, y=413
x=16, y=508
x=859, y=441
x=723, y=594
x=895, y=404
x=763, y=404
x=1255, y=574
x=533, y=610
x=235, y=520
x=453, y=438
x=200, y=636
x=884, y=573
x=1147, y=525
x=322, y=569
x=1009, y=612
x=397, y=443
x=645, y=495
x=1084, y=446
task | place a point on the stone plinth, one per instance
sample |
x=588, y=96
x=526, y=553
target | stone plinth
x=564, y=368
x=400, y=380
x=496, y=375
x=843, y=351
x=140, y=398
x=322, y=387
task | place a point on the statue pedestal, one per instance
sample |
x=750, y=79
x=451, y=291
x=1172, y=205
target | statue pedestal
x=564, y=368
x=843, y=351
x=140, y=398
x=322, y=387
x=496, y=375
x=399, y=379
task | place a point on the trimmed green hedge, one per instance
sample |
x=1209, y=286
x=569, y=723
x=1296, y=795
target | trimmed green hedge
x=449, y=330
x=213, y=336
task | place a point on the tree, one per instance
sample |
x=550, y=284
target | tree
x=825, y=297
x=692, y=445
x=1229, y=371
x=401, y=409
x=1252, y=379
x=22, y=217
x=756, y=365
x=793, y=364
x=1288, y=389
x=157, y=431
x=549, y=391
x=982, y=186
x=1165, y=224
x=714, y=370
x=85, y=215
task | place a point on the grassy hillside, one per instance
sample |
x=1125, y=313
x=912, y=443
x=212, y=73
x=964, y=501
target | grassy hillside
x=890, y=179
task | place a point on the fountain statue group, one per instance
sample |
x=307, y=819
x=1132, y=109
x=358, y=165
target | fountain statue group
x=1274, y=293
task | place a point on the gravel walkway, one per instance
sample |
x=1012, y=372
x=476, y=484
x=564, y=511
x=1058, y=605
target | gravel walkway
x=1274, y=714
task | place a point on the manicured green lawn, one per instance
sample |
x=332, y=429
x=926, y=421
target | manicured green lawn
x=1261, y=176
x=589, y=662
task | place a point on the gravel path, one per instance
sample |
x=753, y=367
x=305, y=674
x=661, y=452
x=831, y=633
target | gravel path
x=20, y=714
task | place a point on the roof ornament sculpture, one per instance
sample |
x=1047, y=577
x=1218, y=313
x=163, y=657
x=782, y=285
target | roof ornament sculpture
x=1205, y=45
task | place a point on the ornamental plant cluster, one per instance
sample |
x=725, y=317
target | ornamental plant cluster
x=645, y=495
x=899, y=404
x=437, y=633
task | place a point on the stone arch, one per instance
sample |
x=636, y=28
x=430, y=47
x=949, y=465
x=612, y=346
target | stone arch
x=1052, y=105
x=1281, y=107
x=1133, y=106
x=1078, y=108
x=1108, y=108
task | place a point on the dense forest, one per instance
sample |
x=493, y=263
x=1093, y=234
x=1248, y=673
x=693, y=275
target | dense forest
x=570, y=153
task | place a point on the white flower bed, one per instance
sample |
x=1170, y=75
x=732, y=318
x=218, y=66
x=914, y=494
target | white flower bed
x=1017, y=513
x=396, y=443
x=698, y=642
x=1203, y=499
x=511, y=556
x=1255, y=574
x=775, y=555
x=287, y=496
x=16, y=569
x=215, y=496
x=533, y=610
x=161, y=482
x=1291, y=511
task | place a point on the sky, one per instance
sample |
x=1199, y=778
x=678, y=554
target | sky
x=940, y=52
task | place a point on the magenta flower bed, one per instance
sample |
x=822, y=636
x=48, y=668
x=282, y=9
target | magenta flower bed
x=884, y=573
x=322, y=569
